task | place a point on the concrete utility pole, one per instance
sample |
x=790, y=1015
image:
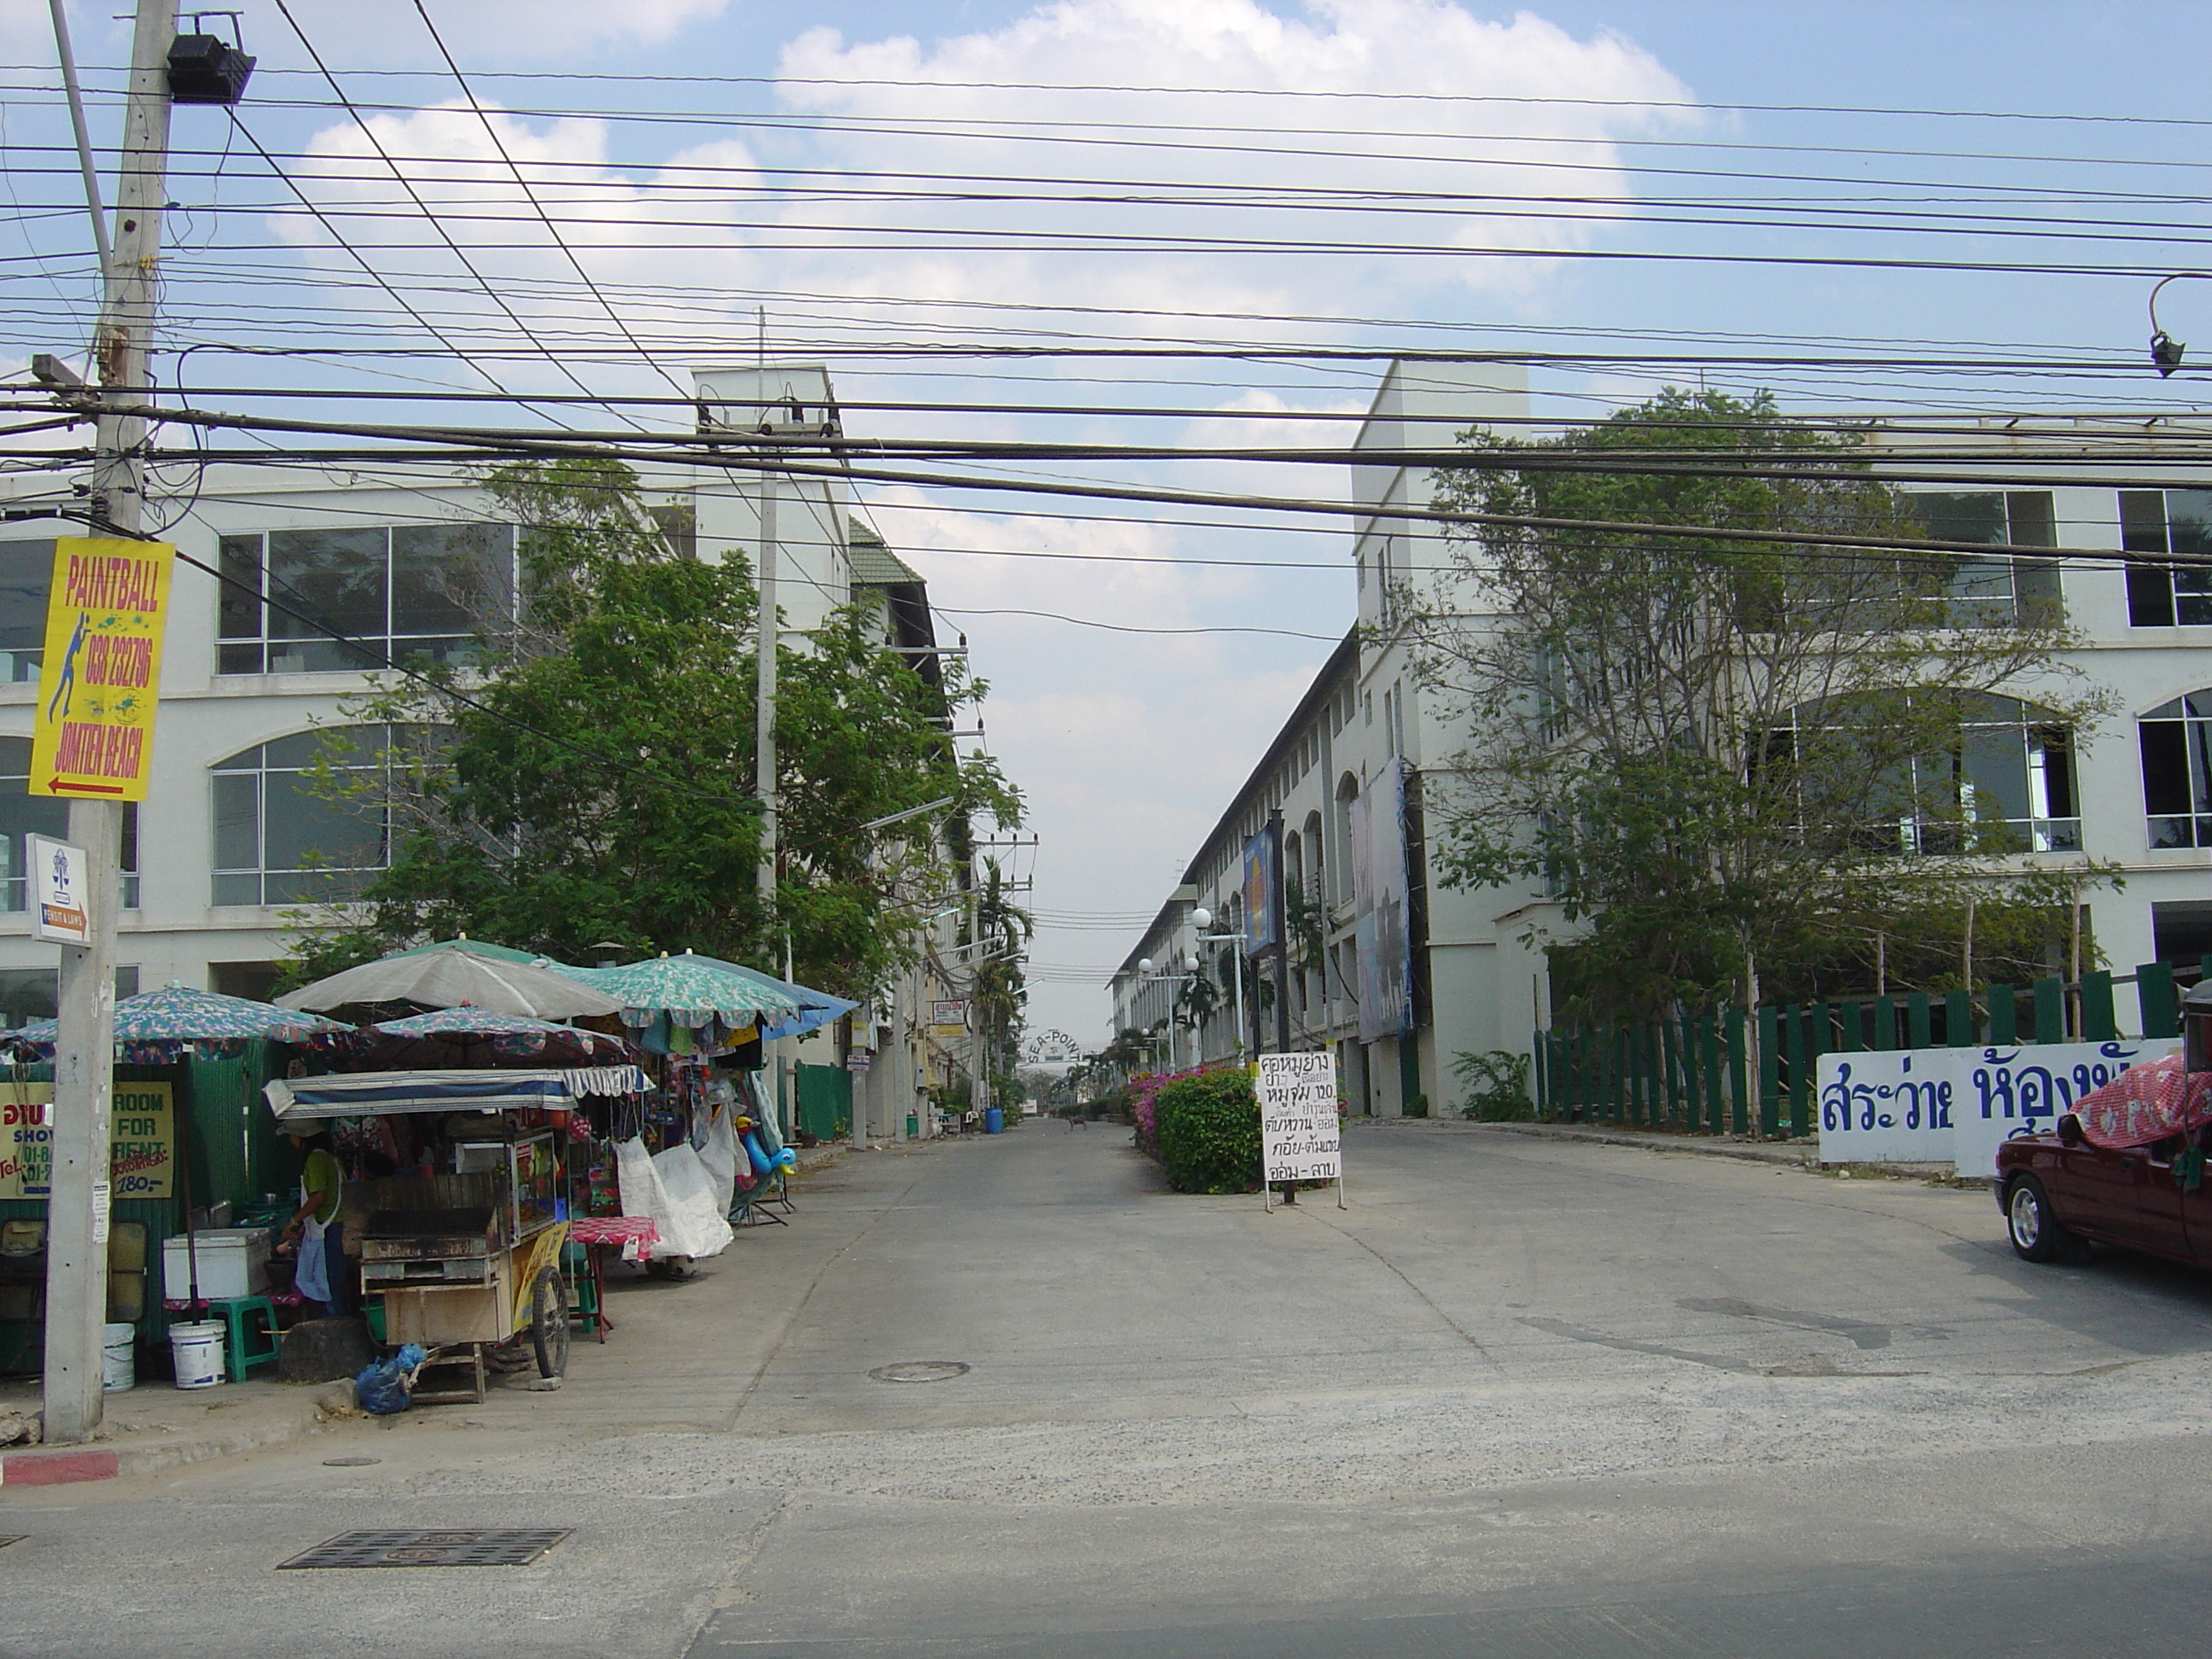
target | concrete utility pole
x=84, y=1048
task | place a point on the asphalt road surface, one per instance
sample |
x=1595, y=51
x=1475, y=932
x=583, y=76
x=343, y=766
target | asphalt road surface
x=1524, y=1397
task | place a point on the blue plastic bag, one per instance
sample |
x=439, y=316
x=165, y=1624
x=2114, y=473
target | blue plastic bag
x=384, y=1387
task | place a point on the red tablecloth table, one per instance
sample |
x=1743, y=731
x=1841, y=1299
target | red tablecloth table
x=633, y=1236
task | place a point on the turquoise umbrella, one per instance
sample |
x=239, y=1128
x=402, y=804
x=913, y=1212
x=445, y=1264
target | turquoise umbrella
x=690, y=989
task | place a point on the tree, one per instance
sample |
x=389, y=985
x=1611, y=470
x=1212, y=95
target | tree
x=1729, y=760
x=589, y=779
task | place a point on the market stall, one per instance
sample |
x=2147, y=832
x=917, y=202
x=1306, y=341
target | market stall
x=464, y=1246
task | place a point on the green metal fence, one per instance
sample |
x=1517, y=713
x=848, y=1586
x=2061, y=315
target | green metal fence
x=1693, y=1073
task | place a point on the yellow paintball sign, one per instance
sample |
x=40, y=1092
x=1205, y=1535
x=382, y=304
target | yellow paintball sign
x=99, y=681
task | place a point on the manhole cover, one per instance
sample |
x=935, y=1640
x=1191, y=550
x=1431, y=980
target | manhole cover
x=920, y=1371
x=419, y=1546
x=349, y=1462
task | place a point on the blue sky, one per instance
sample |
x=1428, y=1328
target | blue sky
x=1129, y=743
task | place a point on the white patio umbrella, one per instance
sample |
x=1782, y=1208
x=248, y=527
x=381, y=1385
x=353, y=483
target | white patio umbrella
x=457, y=971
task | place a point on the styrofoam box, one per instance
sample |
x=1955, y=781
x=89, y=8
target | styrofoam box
x=233, y=1261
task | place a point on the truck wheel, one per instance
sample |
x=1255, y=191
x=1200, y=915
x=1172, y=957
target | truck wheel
x=549, y=1321
x=2035, y=1232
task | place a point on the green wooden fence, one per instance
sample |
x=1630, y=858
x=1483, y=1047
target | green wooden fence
x=1692, y=1073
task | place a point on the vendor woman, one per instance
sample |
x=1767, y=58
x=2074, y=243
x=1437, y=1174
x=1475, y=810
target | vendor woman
x=316, y=1227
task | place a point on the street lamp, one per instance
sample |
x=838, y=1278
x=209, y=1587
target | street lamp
x=1202, y=919
x=2166, y=350
x=1145, y=968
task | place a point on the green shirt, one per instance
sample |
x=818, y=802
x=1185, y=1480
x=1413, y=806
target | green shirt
x=322, y=1175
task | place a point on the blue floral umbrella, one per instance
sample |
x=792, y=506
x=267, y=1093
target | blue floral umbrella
x=155, y=1027
x=505, y=1035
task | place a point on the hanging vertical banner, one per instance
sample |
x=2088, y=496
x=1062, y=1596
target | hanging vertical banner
x=99, y=681
x=1259, y=890
x=1379, y=932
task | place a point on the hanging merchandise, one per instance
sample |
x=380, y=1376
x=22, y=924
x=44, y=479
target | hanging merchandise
x=718, y=1157
x=672, y=1190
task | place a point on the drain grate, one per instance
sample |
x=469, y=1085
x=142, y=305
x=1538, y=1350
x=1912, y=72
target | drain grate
x=920, y=1371
x=350, y=1462
x=426, y=1546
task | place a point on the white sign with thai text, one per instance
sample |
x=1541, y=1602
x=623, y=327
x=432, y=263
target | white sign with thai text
x=59, y=891
x=1298, y=1137
x=1958, y=1105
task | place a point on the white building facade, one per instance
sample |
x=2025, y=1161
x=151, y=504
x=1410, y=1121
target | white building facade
x=2137, y=792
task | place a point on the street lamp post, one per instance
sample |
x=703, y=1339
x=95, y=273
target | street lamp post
x=1202, y=919
x=1145, y=968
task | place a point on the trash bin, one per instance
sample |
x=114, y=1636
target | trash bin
x=994, y=1121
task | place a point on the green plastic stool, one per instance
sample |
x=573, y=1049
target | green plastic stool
x=576, y=1267
x=247, y=1346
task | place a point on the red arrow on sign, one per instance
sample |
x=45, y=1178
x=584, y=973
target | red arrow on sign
x=88, y=788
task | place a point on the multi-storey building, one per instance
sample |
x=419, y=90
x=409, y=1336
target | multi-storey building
x=231, y=839
x=1440, y=971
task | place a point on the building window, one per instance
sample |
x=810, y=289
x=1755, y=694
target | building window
x=26, y=570
x=2176, y=742
x=415, y=591
x=1997, y=593
x=278, y=840
x=29, y=994
x=2005, y=784
x=2167, y=523
x=22, y=813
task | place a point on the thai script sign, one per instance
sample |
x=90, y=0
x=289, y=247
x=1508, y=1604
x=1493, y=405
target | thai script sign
x=141, y=1149
x=1298, y=1134
x=100, y=680
x=1958, y=1105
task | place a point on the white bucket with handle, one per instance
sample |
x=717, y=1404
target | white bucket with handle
x=197, y=1351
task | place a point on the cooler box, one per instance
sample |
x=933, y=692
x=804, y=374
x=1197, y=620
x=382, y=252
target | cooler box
x=233, y=1261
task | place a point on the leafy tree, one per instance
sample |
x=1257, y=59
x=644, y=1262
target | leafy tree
x=1728, y=760
x=590, y=779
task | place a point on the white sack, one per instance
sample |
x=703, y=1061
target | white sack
x=701, y=1225
x=719, y=1156
x=673, y=1191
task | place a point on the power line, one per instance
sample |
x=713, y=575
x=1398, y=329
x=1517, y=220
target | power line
x=492, y=133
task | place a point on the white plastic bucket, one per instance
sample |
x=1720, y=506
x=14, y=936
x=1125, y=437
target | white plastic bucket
x=119, y=1358
x=197, y=1352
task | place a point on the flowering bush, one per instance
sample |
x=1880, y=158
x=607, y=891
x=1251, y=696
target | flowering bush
x=1207, y=1127
x=1143, y=1094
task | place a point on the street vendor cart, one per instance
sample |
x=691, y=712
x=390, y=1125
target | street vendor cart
x=467, y=1256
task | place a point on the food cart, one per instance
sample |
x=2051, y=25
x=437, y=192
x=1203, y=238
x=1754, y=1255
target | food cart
x=466, y=1256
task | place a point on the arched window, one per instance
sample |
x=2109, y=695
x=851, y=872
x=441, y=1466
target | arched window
x=279, y=840
x=2176, y=742
x=22, y=813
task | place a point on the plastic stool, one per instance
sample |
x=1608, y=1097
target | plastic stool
x=247, y=1346
x=582, y=1270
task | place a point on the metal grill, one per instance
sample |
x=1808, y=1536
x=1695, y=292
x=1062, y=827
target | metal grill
x=428, y=1546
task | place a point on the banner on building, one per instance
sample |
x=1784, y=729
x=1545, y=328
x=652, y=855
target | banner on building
x=99, y=679
x=143, y=1142
x=1958, y=1105
x=1258, y=893
x=1380, y=936
x=1298, y=1133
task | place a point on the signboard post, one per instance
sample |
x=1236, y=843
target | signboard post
x=1299, y=1139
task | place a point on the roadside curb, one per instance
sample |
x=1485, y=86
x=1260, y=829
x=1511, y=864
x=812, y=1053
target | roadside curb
x=108, y=1459
x=1793, y=1155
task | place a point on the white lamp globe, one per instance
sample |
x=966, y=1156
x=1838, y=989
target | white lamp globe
x=1143, y=964
x=1201, y=918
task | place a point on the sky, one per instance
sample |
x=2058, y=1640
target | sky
x=1343, y=173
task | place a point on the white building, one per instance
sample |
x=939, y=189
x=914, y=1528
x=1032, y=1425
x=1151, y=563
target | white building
x=229, y=839
x=2137, y=792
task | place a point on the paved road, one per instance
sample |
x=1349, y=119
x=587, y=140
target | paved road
x=1524, y=1397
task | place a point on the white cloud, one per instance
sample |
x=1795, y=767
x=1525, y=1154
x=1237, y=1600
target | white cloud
x=351, y=35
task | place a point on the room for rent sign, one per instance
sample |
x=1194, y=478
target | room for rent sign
x=99, y=683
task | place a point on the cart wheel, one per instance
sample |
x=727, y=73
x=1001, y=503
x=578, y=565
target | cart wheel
x=548, y=1323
